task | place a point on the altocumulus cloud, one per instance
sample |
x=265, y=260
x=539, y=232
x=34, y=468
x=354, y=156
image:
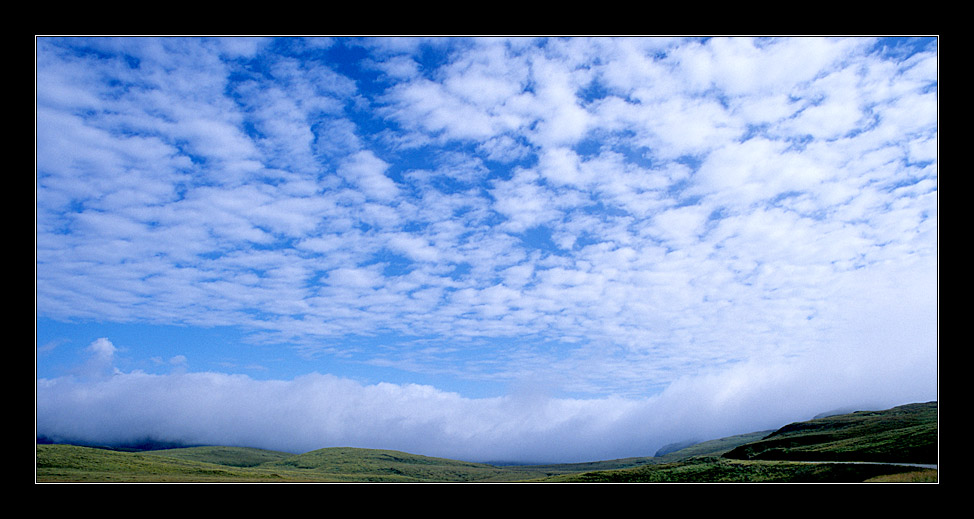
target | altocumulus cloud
x=555, y=248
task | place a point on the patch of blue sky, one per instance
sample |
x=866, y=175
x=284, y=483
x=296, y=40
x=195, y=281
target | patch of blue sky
x=903, y=48
x=151, y=348
x=538, y=238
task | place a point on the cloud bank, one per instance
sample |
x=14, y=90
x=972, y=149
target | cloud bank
x=639, y=239
x=527, y=425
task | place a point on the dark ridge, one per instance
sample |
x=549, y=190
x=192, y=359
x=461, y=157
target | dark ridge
x=904, y=434
x=140, y=445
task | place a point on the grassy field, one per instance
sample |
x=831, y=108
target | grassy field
x=914, y=476
x=71, y=463
x=724, y=470
x=902, y=434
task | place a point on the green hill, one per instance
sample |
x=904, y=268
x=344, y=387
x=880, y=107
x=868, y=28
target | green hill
x=800, y=452
x=354, y=464
x=713, y=447
x=72, y=463
x=902, y=434
x=707, y=448
x=336, y=464
x=227, y=456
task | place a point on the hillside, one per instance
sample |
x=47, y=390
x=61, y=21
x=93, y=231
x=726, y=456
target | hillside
x=800, y=452
x=902, y=434
x=72, y=463
x=353, y=464
x=226, y=456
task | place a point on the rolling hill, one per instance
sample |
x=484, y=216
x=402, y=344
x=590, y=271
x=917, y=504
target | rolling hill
x=812, y=451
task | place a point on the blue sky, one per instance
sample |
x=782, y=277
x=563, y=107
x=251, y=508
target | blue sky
x=533, y=249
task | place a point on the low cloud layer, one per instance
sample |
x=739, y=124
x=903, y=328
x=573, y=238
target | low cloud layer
x=105, y=406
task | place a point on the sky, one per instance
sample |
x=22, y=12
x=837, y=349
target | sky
x=490, y=249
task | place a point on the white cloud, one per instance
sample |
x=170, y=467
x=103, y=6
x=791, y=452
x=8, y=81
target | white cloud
x=367, y=171
x=416, y=248
x=523, y=202
x=432, y=109
x=102, y=350
x=681, y=226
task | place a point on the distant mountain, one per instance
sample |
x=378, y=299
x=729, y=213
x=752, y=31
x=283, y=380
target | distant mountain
x=144, y=444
